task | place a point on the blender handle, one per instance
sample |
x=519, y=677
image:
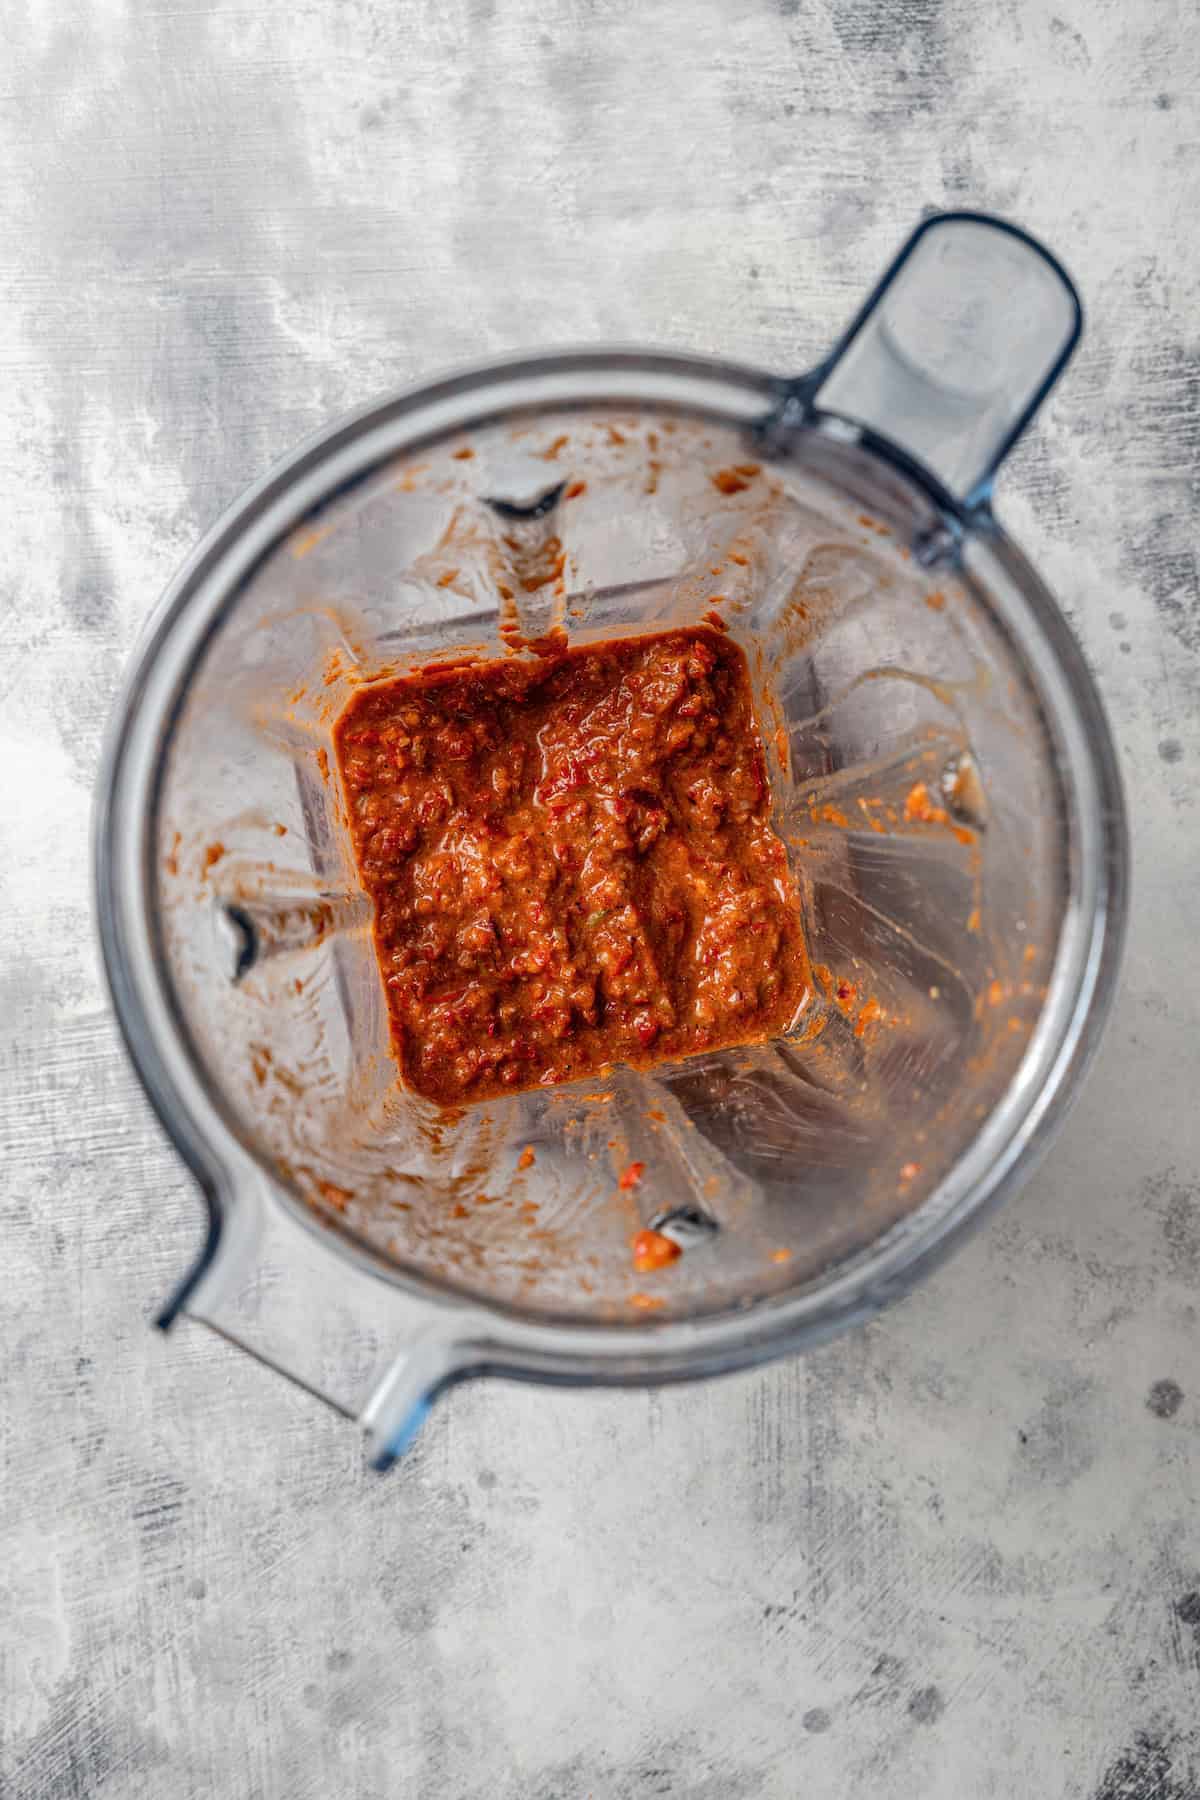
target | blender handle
x=266, y=1282
x=953, y=352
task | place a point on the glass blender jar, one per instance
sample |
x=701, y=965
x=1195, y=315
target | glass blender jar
x=941, y=773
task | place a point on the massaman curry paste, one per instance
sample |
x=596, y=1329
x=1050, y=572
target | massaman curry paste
x=571, y=862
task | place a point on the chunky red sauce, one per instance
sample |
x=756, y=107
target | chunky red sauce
x=571, y=862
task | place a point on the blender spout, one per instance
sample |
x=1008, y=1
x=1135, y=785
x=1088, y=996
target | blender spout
x=400, y=1404
x=951, y=355
x=371, y=1349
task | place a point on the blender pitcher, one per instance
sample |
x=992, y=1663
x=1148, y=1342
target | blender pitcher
x=941, y=774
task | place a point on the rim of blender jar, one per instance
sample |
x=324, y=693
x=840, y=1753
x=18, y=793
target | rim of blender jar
x=322, y=470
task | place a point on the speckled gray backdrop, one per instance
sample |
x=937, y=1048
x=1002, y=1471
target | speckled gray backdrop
x=957, y=1554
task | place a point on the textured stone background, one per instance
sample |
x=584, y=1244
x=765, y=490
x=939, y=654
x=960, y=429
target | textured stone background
x=956, y=1554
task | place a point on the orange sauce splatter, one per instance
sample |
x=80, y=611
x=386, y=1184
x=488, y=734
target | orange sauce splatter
x=465, y=454
x=870, y=1014
x=337, y=1197
x=526, y=1159
x=652, y=1250
x=308, y=540
x=864, y=806
x=920, y=807
x=531, y=583
x=730, y=481
x=630, y=1176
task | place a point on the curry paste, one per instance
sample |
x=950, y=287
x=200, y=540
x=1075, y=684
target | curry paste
x=572, y=863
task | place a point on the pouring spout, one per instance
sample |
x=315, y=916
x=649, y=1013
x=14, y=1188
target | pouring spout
x=370, y=1349
x=401, y=1403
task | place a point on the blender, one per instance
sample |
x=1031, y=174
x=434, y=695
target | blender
x=941, y=775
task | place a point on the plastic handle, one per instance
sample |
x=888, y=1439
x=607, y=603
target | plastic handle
x=272, y=1285
x=955, y=350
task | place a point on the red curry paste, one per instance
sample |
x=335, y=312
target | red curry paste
x=572, y=863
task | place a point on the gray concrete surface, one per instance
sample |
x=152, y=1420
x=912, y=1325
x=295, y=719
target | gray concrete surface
x=956, y=1554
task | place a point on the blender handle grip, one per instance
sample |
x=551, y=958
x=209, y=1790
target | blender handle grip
x=954, y=351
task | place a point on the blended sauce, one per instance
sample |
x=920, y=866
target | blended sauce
x=572, y=863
